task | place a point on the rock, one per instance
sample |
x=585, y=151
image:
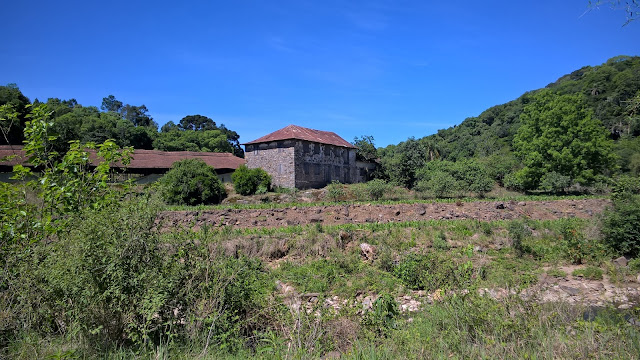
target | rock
x=367, y=302
x=479, y=249
x=369, y=251
x=397, y=212
x=422, y=211
x=522, y=203
x=500, y=206
x=638, y=279
x=332, y=355
x=315, y=219
x=570, y=290
x=625, y=306
x=621, y=261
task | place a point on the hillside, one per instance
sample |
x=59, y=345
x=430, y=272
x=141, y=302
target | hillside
x=607, y=89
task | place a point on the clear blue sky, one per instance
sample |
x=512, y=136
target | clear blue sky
x=391, y=69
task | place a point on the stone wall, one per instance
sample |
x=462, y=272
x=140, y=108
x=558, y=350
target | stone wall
x=276, y=158
x=319, y=164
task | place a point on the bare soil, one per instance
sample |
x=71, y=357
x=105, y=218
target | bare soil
x=373, y=213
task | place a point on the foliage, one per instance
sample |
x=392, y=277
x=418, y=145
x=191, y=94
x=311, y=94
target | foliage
x=383, y=315
x=518, y=231
x=192, y=182
x=198, y=133
x=558, y=134
x=335, y=191
x=432, y=271
x=111, y=281
x=579, y=248
x=446, y=178
x=621, y=226
x=555, y=183
x=402, y=162
x=377, y=188
x=366, y=149
x=250, y=181
x=12, y=128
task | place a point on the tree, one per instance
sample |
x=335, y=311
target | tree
x=12, y=129
x=366, y=149
x=197, y=122
x=559, y=134
x=631, y=7
x=110, y=104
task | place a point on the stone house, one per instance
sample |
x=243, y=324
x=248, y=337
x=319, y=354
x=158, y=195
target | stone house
x=298, y=157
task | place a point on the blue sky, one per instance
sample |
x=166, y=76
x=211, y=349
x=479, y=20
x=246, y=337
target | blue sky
x=390, y=69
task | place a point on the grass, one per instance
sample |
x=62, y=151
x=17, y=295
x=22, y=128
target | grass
x=590, y=272
x=414, y=255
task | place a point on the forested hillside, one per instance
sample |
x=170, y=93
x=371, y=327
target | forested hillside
x=608, y=94
x=127, y=125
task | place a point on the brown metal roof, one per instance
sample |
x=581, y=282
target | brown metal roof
x=146, y=159
x=15, y=151
x=301, y=133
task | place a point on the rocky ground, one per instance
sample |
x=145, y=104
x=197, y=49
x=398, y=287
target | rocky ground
x=372, y=213
x=570, y=289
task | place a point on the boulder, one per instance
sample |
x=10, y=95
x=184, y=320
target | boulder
x=368, y=251
x=621, y=261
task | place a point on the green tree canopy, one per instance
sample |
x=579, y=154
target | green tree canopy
x=366, y=149
x=559, y=135
x=12, y=129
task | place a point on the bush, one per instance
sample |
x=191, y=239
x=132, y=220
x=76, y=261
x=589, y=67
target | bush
x=518, y=230
x=621, y=226
x=433, y=271
x=446, y=178
x=112, y=281
x=192, y=182
x=335, y=191
x=250, y=181
x=555, y=182
x=377, y=188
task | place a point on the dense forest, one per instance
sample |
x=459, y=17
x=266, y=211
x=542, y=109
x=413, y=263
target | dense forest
x=582, y=128
x=127, y=125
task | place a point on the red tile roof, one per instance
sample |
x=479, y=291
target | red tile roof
x=147, y=159
x=301, y=133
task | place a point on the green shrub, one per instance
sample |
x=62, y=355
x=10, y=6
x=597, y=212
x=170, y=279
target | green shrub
x=512, y=182
x=433, y=271
x=383, y=315
x=555, y=182
x=377, y=188
x=625, y=186
x=579, y=248
x=518, y=231
x=335, y=191
x=112, y=281
x=250, y=181
x=440, y=241
x=192, y=182
x=621, y=226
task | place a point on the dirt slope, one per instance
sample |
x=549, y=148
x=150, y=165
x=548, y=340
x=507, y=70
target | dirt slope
x=368, y=213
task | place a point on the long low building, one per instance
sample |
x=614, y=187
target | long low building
x=146, y=165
